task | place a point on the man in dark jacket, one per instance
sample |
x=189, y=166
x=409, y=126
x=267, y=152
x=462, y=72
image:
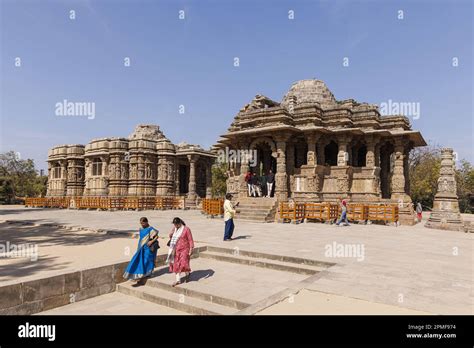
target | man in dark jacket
x=248, y=180
x=270, y=181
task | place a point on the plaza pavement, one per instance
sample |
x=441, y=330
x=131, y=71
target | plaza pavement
x=405, y=267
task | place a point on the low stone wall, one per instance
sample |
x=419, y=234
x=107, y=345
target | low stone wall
x=47, y=293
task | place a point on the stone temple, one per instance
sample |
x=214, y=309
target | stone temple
x=321, y=148
x=145, y=164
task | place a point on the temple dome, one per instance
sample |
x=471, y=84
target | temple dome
x=147, y=131
x=310, y=91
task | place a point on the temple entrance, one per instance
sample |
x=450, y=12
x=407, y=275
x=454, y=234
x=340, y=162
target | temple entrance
x=264, y=161
x=330, y=154
x=183, y=179
x=385, y=170
x=358, y=154
x=300, y=153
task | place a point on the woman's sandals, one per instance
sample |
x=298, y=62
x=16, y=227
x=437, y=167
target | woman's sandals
x=185, y=280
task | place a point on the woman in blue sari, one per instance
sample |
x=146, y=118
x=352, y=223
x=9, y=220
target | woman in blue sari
x=143, y=262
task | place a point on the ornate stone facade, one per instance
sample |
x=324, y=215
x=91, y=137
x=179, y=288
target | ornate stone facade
x=144, y=164
x=445, y=214
x=321, y=149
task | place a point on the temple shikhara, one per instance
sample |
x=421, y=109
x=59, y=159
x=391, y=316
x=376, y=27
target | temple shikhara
x=322, y=149
x=145, y=164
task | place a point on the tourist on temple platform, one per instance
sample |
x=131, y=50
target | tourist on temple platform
x=270, y=181
x=181, y=247
x=343, y=217
x=263, y=185
x=229, y=213
x=419, y=211
x=143, y=262
x=255, y=187
x=248, y=180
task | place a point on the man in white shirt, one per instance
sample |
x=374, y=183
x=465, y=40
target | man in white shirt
x=229, y=213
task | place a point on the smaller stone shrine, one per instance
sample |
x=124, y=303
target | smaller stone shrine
x=445, y=214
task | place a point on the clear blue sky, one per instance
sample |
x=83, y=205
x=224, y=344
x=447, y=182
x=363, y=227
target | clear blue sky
x=190, y=62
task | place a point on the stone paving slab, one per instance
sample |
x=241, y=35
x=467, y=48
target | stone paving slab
x=308, y=302
x=114, y=303
x=61, y=250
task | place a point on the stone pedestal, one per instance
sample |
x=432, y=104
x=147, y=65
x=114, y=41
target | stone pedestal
x=445, y=214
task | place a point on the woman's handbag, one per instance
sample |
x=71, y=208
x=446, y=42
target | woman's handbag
x=154, y=246
x=169, y=243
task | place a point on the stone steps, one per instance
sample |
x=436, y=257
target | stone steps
x=164, y=296
x=273, y=257
x=278, y=265
x=223, y=301
x=257, y=209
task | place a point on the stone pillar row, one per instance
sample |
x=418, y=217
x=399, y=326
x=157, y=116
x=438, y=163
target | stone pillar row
x=315, y=156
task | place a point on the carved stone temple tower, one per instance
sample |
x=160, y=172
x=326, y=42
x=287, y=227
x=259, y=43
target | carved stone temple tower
x=445, y=214
x=145, y=164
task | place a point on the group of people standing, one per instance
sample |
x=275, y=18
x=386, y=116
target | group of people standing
x=260, y=185
x=180, y=245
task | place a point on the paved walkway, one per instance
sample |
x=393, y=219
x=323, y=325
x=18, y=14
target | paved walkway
x=407, y=266
x=308, y=302
x=114, y=303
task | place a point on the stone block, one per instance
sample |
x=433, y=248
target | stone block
x=97, y=276
x=86, y=293
x=10, y=295
x=24, y=309
x=56, y=301
x=43, y=288
x=119, y=269
x=72, y=282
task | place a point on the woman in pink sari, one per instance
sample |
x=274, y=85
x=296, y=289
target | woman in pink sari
x=181, y=247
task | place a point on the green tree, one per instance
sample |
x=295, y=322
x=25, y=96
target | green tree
x=465, y=186
x=19, y=178
x=424, y=167
x=219, y=177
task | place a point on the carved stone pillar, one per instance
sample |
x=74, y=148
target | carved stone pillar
x=244, y=168
x=445, y=214
x=398, y=177
x=370, y=155
x=208, y=180
x=406, y=171
x=342, y=155
x=192, y=177
x=281, y=178
x=311, y=156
